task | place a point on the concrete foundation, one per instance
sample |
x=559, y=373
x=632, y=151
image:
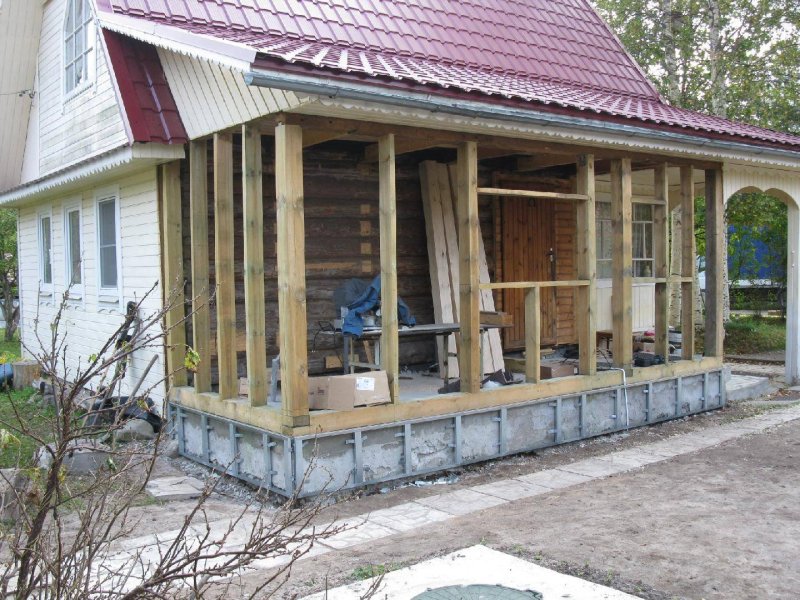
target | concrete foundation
x=372, y=455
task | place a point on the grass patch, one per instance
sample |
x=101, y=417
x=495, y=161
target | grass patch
x=754, y=333
x=19, y=450
x=9, y=351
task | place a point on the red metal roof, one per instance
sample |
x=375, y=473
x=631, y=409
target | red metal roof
x=555, y=52
x=149, y=105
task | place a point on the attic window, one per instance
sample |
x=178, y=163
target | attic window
x=78, y=46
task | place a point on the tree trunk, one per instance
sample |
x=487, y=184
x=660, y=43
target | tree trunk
x=670, y=22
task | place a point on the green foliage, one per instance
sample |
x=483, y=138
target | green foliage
x=38, y=419
x=756, y=217
x=756, y=63
x=191, y=359
x=9, y=272
x=369, y=571
x=751, y=334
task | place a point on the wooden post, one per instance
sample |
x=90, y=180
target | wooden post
x=622, y=264
x=715, y=255
x=586, y=296
x=253, y=219
x=291, y=275
x=198, y=223
x=223, y=266
x=687, y=263
x=661, y=259
x=469, y=281
x=533, y=334
x=173, y=271
x=390, y=352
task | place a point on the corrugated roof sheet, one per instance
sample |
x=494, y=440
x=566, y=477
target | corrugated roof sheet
x=556, y=52
x=148, y=101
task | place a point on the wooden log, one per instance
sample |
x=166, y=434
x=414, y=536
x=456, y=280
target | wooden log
x=586, y=296
x=291, y=275
x=622, y=263
x=533, y=334
x=223, y=266
x=390, y=349
x=715, y=255
x=661, y=258
x=687, y=263
x=469, y=232
x=173, y=284
x=253, y=221
x=198, y=224
x=501, y=192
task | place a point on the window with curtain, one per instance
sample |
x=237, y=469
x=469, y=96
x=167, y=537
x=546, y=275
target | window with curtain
x=73, y=248
x=45, y=250
x=78, y=45
x=107, y=243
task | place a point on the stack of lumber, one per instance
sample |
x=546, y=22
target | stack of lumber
x=439, y=203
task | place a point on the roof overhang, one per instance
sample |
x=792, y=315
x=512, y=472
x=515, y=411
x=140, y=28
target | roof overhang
x=96, y=170
x=232, y=54
x=490, y=116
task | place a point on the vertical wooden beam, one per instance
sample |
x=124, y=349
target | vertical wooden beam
x=622, y=264
x=715, y=255
x=390, y=352
x=533, y=334
x=173, y=271
x=661, y=259
x=198, y=222
x=223, y=265
x=687, y=263
x=587, y=268
x=469, y=279
x=253, y=220
x=292, y=275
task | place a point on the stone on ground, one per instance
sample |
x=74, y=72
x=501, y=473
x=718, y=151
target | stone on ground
x=84, y=456
x=175, y=488
x=134, y=429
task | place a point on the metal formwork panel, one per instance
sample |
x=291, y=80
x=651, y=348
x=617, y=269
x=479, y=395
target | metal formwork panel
x=531, y=426
x=364, y=456
x=382, y=454
x=662, y=400
x=433, y=445
x=601, y=413
x=636, y=411
x=692, y=391
x=570, y=418
x=481, y=436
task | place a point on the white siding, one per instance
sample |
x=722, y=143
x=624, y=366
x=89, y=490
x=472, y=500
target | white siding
x=88, y=323
x=20, y=22
x=84, y=125
x=211, y=97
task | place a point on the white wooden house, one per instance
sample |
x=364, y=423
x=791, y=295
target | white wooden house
x=270, y=150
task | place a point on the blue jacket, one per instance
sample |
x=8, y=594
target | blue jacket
x=353, y=324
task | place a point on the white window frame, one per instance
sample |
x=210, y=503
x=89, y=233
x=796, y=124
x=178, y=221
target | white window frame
x=45, y=288
x=635, y=259
x=88, y=56
x=75, y=291
x=108, y=296
x=641, y=260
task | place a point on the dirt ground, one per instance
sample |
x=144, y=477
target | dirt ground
x=721, y=523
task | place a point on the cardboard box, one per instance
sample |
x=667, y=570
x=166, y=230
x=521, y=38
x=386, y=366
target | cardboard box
x=317, y=392
x=346, y=392
x=553, y=370
x=644, y=347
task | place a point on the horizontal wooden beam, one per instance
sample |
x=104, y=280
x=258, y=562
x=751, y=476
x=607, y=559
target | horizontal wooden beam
x=313, y=137
x=527, y=164
x=524, y=285
x=531, y=194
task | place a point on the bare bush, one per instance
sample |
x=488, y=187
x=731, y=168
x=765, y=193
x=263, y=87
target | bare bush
x=68, y=537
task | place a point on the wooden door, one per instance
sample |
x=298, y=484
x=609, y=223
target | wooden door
x=528, y=255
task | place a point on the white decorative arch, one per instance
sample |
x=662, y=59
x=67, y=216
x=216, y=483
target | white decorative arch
x=784, y=185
